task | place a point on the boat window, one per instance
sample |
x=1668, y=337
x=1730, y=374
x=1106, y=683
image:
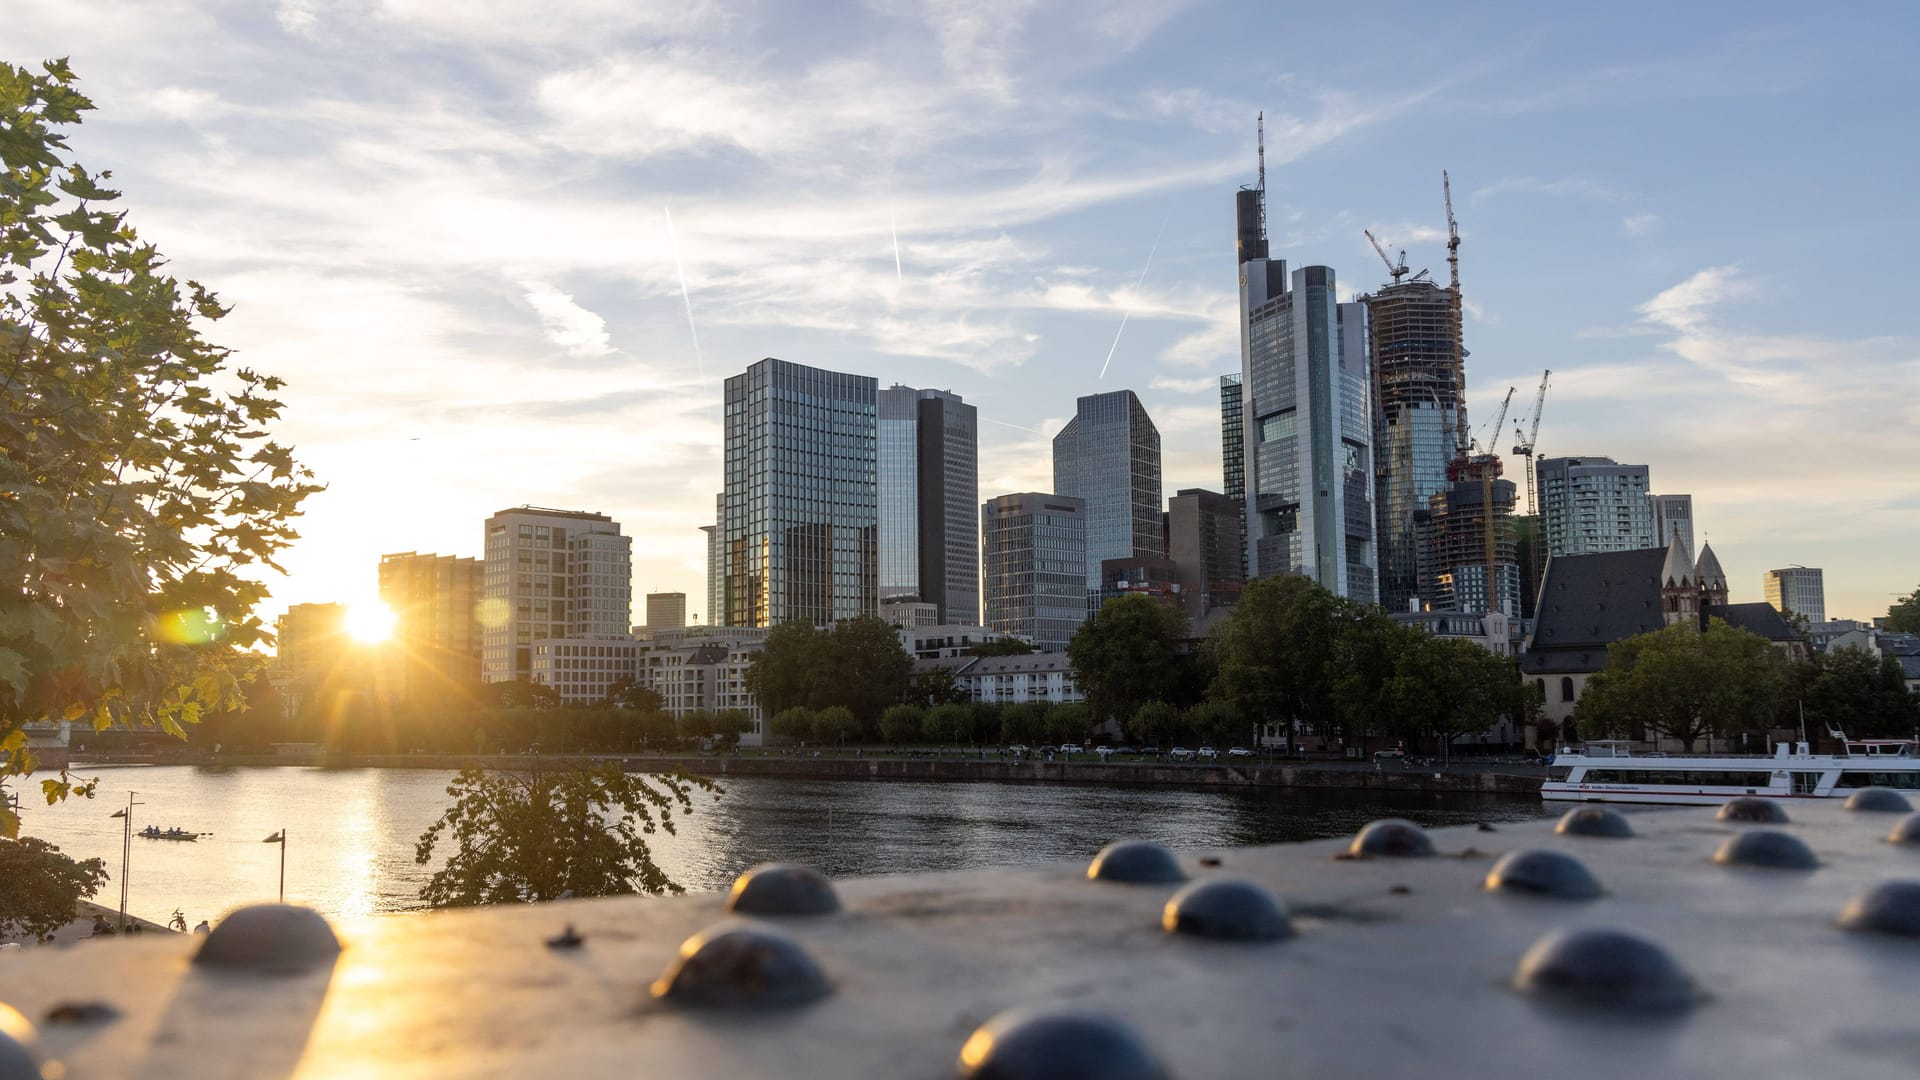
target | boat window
x=1559, y=772
x=1907, y=780
x=1680, y=777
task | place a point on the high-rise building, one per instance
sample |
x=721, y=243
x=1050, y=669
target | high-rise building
x=1672, y=517
x=1108, y=456
x=551, y=576
x=1233, y=455
x=1456, y=536
x=1036, y=566
x=1799, y=590
x=436, y=634
x=1416, y=419
x=1592, y=505
x=1204, y=540
x=716, y=566
x=929, y=500
x=666, y=610
x=799, y=521
x=1309, y=427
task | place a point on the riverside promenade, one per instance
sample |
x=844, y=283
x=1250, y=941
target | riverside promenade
x=1456, y=964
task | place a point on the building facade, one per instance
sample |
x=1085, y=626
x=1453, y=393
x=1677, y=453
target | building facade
x=1308, y=420
x=1593, y=505
x=799, y=519
x=583, y=671
x=703, y=669
x=436, y=633
x=1206, y=545
x=1799, y=590
x=1417, y=411
x=929, y=500
x=1108, y=457
x=1233, y=455
x=551, y=574
x=314, y=655
x=1036, y=558
x=1455, y=540
x=666, y=610
x=1154, y=578
x=947, y=642
x=1672, y=517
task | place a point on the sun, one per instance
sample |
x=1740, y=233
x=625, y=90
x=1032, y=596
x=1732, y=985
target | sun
x=370, y=622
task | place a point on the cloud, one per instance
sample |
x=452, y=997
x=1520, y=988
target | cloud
x=1200, y=385
x=1684, y=307
x=1575, y=187
x=1642, y=224
x=567, y=324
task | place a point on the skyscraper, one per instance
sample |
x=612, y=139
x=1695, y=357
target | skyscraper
x=1309, y=431
x=929, y=498
x=1204, y=539
x=666, y=610
x=434, y=600
x=1036, y=566
x=799, y=519
x=1233, y=455
x=1592, y=505
x=1799, y=590
x=1108, y=456
x=551, y=575
x=1456, y=536
x=1416, y=417
x=1672, y=516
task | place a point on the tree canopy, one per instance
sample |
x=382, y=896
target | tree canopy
x=1903, y=616
x=1852, y=691
x=858, y=664
x=1684, y=683
x=1275, y=656
x=143, y=490
x=40, y=888
x=523, y=837
x=1127, y=655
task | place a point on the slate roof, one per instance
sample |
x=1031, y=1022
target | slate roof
x=1761, y=619
x=1006, y=665
x=955, y=664
x=1589, y=601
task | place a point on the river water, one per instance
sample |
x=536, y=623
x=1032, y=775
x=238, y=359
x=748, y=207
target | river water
x=352, y=832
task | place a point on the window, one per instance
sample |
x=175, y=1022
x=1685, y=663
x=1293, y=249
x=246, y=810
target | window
x=1566, y=688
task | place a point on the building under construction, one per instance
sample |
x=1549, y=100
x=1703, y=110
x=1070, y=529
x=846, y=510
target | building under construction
x=1415, y=419
x=1457, y=537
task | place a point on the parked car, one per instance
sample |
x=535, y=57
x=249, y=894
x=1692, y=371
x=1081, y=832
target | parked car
x=1070, y=748
x=1103, y=749
x=1019, y=748
x=1180, y=753
x=1391, y=753
x=1207, y=753
x=1239, y=751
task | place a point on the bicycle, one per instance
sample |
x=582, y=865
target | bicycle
x=178, y=922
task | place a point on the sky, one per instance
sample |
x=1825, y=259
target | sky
x=506, y=253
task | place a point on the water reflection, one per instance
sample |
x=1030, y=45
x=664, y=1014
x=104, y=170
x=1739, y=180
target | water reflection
x=351, y=832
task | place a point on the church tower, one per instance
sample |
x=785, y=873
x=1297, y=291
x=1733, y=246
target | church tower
x=1679, y=593
x=1711, y=580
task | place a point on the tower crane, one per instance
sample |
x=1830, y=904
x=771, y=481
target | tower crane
x=1459, y=357
x=1523, y=445
x=1493, y=436
x=1397, y=271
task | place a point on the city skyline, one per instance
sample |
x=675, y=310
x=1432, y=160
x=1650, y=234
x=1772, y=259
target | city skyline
x=447, y=259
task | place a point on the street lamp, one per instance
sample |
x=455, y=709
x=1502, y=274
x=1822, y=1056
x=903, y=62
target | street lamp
x=281, y=839
x=126, y=852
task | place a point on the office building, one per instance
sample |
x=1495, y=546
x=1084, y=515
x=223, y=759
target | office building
x=929, y=501
x=312, y=653
x=799, y=521
x=1151, y=576
x=1108, y=456
x=666, y=610
x=1233, y=455
x=1456, y=538
x=1798, y=590
x=1308, y=419
x=1417, y=413
x=1672, y=516
x=1593, y=505
x=1206, y=545
x=1036, y=560
x=436, y=635
x=703, y=669
x=716, y=566
x=551, y=576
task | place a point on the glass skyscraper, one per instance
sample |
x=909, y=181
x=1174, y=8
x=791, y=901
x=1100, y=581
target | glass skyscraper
x=799, y=522
x=1108, y=456
x=1416, y=418
x=929, y=501
x=1036, y=559
x=1308, y=421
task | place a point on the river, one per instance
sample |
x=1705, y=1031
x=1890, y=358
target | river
x=351, y=832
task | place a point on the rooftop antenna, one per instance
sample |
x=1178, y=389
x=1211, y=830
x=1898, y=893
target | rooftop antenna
x=1260, y=141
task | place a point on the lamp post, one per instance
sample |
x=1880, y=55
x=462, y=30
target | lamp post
x=281, y=839
x=126, y=852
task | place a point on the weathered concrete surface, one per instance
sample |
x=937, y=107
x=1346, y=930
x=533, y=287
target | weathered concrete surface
x=1398, y=968
x=1473, y=780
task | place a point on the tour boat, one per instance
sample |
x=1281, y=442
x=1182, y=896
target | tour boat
x=1608, y=771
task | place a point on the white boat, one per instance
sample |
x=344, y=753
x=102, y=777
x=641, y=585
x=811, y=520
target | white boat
x=1606, y=771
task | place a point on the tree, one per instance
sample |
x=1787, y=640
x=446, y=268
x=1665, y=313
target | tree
x=1127, y=655
x=794, y=723
x=1684, y=683
x=1024, y=722
x=1275, y=654
x=1215, y=723
x=1070, y=723
x=521, y=694
x=835, y=724
x=1001, y=647
x=1366, y=655
x=951, y=723
x=1853, y=691
x=902, y=723
x=625, y=693
x=938, y=686
x=1903, y=616
x=143, y=494
x=525, y=837
x=779, y=674
x=1449, y=687
x=1154, y=723
x=863, y=668
x=729, y=725
x=40, y=889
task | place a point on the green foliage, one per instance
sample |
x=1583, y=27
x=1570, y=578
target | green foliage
x=1155, y=722
x=521, y=694
x=1276, y=655
x=939, y=686
x=794, y=723
x=1003, y=647
x=40, y=888
x=1215, y=723
x=835, y=724
x=1903, y=616
x=949, y=723
x=1448, y=687
x=858, y=664
x=1684, y=683
x=524, y=837
x=1853, y=691
x=1366, y=658
x=142, y=494
x=902, y=723
x=1128, y=654
x=625, y=693
x=729, y=724
x=1070, y=723
x=1025, y=723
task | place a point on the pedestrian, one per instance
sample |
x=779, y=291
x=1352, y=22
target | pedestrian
x=203, y=928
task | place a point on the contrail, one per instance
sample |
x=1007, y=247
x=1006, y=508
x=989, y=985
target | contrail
x=1015, y=427
x=898, y=276
x=673, y=241
x=1124, y=315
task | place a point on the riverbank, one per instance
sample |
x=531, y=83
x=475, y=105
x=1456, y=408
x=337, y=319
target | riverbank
x=1480, y=779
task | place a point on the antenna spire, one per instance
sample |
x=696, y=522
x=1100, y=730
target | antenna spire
x=1260, y=138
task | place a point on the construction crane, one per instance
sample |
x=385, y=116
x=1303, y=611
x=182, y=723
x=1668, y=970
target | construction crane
x=1459, y=347
x=1493, y=435
x=1397, y=271
x=1523, y=445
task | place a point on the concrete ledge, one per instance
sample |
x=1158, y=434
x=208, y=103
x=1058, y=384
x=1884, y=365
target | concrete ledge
x=1399, y=968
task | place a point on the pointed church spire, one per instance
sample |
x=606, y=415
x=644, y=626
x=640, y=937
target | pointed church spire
x=1678, y=571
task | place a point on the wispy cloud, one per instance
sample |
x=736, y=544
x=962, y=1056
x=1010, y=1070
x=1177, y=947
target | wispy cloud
x=567, y=324
x=1576, y=187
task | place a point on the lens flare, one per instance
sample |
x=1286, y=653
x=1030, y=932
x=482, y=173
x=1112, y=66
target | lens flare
x=370, y=622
